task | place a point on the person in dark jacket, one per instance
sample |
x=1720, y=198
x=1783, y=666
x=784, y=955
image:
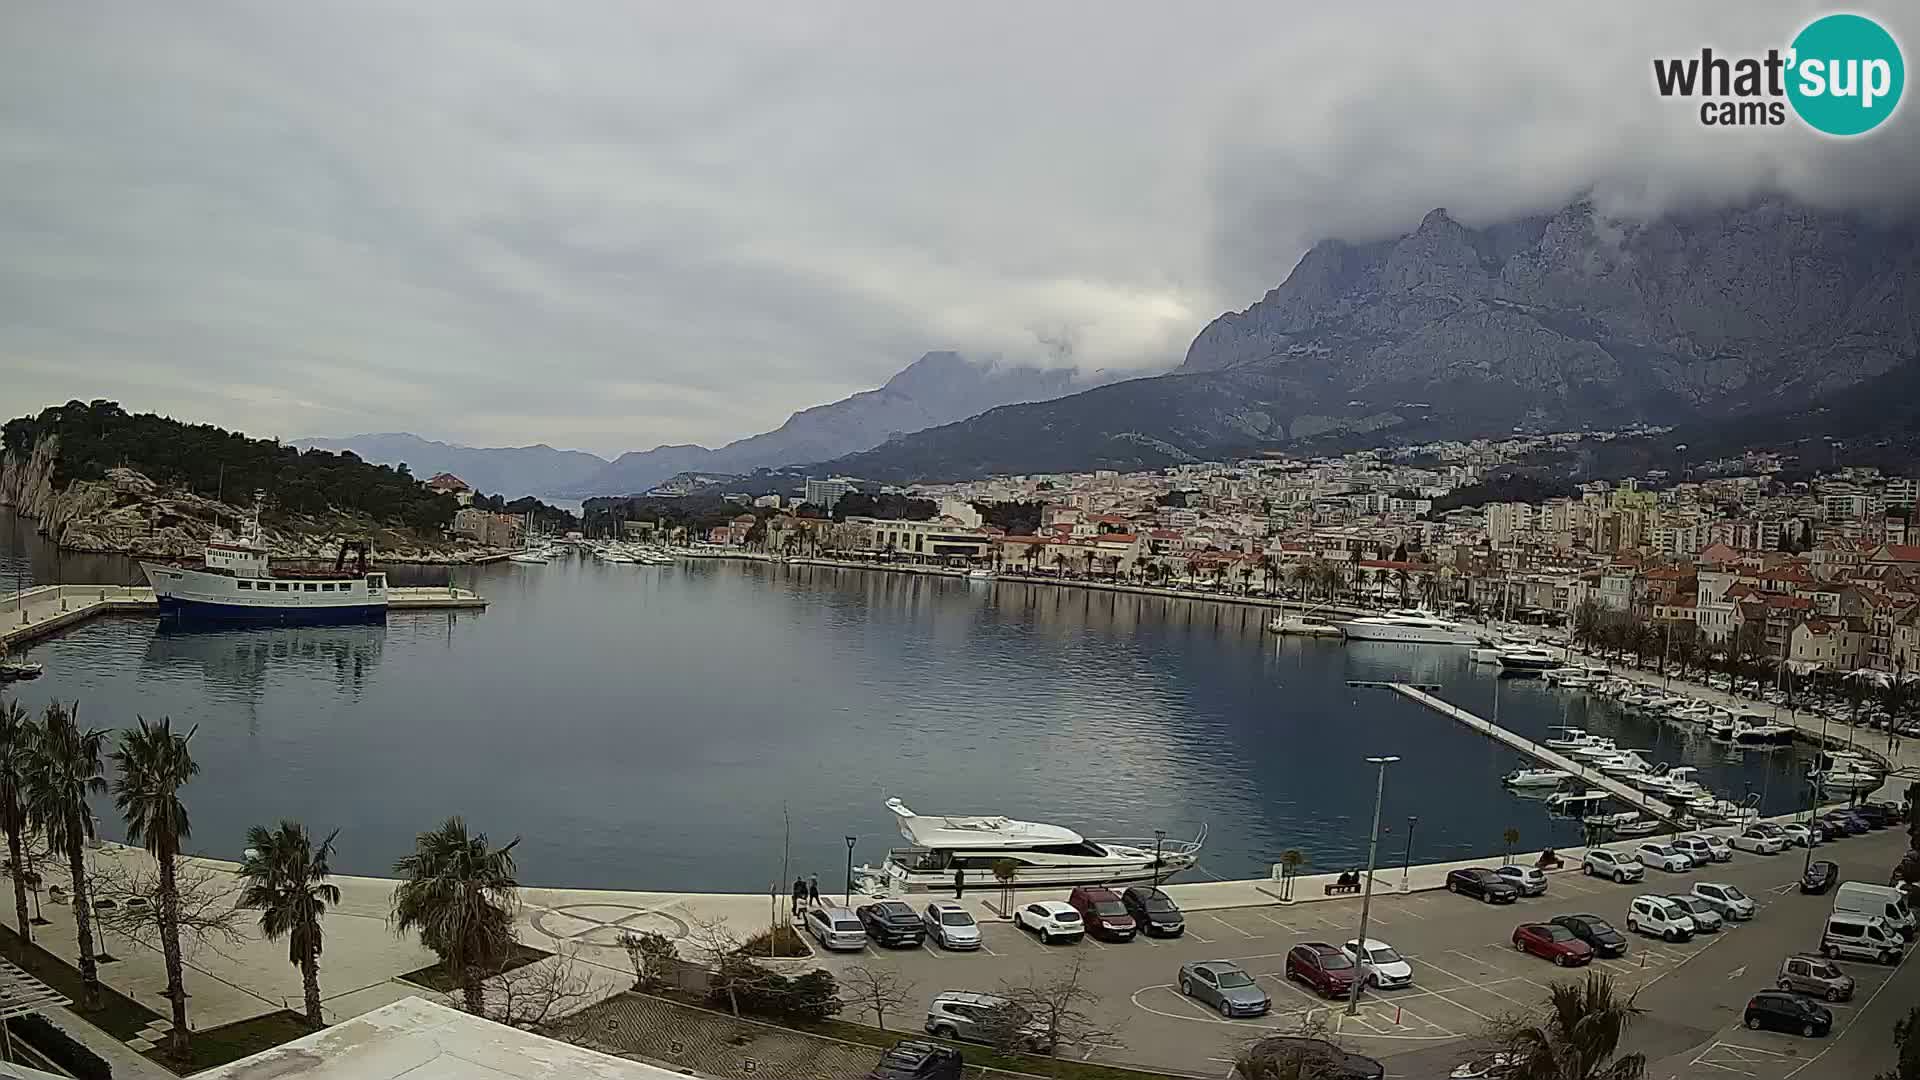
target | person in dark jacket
x=799, y=895
x=813, y=890
x=959, y=884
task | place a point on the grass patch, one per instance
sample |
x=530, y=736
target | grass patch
x=787, y=944
x=437, y=977
x=213, y=1047
x=118, y=1015
x=984, y=1056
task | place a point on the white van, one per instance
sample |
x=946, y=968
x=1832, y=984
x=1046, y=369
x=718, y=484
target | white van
x=1863, y=937
x=1881, y=901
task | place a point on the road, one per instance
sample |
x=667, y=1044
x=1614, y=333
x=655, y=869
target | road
x=1466, y=974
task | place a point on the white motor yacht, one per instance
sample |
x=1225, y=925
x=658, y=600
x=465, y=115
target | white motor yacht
x=1528, y=658
x=1575, y=802
x=1570, y=738
x=1410, y=626
x=1536, y=778
x=1043, y=855
x=1598, y=749
x=1301, y=626
x=1763, y=735
x=1843, y=771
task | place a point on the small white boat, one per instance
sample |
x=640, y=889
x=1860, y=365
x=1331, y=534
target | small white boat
x=11, y=669
x=1599, y=749
x=1765, y=735
x=980, y=575
x=1574, y=802
x=1527, y=658
x=1301, y=626
x=530, y=557
x=1534, y=778
x=1570, y=738
x=1842, y=771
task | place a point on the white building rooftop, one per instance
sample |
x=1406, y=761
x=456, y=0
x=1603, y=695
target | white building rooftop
x=420, y=1040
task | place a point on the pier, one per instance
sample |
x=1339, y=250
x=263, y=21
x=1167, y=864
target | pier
x=1626, y=793
x=33, y=613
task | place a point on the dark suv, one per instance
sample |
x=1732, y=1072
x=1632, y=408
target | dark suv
x=1102, y=912
x=1154, y=911
x=891, y=922
x=1326, y=969
x=1596, y=932
x=1781, y=1011
x=916, y=1059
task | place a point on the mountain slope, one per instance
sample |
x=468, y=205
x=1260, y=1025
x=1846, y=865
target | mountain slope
x=938, y=388
x=511, y=471
x=1556, y=321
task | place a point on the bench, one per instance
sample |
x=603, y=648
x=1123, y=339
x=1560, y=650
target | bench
x=1338, y=890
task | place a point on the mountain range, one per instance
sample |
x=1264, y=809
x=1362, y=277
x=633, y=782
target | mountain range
x=1552, y=322
x=938, y=388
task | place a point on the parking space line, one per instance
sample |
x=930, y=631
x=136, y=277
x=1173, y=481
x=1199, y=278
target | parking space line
x=1228, y=925
x=1478, y=986
x=1408, y=911
x=1288, y=983
x=988, y=949
x=930, y=951
x=1195, y=935
x=1288, y=927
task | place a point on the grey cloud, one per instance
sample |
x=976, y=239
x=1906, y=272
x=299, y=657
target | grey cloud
x=613, y=225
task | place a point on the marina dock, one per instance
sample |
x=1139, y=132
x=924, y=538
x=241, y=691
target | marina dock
x=33, y=613
x=1639, y=800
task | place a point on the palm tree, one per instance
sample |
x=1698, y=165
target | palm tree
x=1575, y=1038
x=1303, y=576
x=286, y=881
x=63, y=772
x=1061, y=560
x=460, y=895
x=1291, y=860
x=1512, y=837
x=16, y=733
x=154, y=765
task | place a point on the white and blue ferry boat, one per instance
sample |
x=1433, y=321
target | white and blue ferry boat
x=237, y=584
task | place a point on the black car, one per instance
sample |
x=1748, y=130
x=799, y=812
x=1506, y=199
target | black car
x=891, y=922
x=1877, y=815
x=1596, y=932
x=1482, y=884
x=1297, y=1055
x=1820, y=876
x=915, y=1059
x=1154, y=911
x=1780, y=1011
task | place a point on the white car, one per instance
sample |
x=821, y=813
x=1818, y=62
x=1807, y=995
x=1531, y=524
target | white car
x=1730, y=902
x=1695, y=848
x=1722, y=852
x=1659, y=916
x=1705, y=918
x=1528, y=879
x=1618, y=865
x=1053, y=920
x=951, y=925
x=1385, y=968
x=1758, y=842
x=1799, y=835
x=1666, y=857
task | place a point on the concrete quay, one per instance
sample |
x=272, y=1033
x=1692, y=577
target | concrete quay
x=36, y=612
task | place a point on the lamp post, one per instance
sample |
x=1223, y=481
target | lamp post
x=851, y=840
x=1406, y=861
x=1366, y=892
x=1159, y=838
x=1813, y=797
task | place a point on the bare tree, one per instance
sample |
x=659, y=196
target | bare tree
x=1055, y=1012
x=876, y=990
x=126, y=898
x=539, y=994
x=719, y=948
x=654, y=959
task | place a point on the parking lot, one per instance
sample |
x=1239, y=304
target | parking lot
x=1466, y=972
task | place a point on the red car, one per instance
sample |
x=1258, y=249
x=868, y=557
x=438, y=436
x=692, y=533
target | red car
x=1102, y=912
x=1554, y=942
x=1322, y=967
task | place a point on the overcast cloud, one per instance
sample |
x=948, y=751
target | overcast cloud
x=615, y=225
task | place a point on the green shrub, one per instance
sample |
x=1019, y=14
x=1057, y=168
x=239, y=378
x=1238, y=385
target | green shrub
x=59, y=1047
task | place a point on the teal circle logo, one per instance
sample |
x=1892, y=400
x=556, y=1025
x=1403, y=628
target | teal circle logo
x=1846, y=75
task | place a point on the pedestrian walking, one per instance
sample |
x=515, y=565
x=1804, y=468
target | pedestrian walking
x=799, y=895
x=813, y=890
x=959, y=884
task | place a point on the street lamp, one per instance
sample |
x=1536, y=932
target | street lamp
x=1366, y=893
x=851, y=840
x=1159, y=838
x=1406, y=862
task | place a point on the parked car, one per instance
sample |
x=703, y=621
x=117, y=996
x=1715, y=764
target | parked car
x=1384, y=966
x=891, y=922
x=1820, y=875
x=913, y=1059
x=1597, y=932
x=1664, y=856
x=836, y=928
x=1482, y=884
x=1102, y=913
x=1052, y=920
x=1605, y=862
x=1494, y=1066
x=1776, y=1011
x=974, y=1017
x=1838, y=825
x=1805, y=973
x=1530, y=880
x=1154, y=911
x=1722, y=851
x=1732, y=904
x=1659, y=916
x=1318, y=1058
x=1553, y=942
x=1705, y=919
x=1852, y=822
x=1696, y=848
x=1321, y=967
x=1881, y=901
x=1876, y=815
x=1759, y=843
x=951, y=925
x=1799, y=834
x=1225, y=986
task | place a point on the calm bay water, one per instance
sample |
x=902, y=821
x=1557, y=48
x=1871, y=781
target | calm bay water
x=648, y=727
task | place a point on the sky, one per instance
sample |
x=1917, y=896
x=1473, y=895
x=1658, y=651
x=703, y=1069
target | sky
x=613, y=225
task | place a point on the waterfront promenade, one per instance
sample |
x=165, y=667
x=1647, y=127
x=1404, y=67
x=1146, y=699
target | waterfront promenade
x=36, y=612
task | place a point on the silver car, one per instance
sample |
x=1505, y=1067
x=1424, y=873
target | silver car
x=836, y=928
x=951, y=925
x=1528, y=879
x=974, y=1017
x=1706, y=918
x=1225, y=986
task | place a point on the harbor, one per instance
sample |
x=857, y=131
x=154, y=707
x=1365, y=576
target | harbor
x=27, y=614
